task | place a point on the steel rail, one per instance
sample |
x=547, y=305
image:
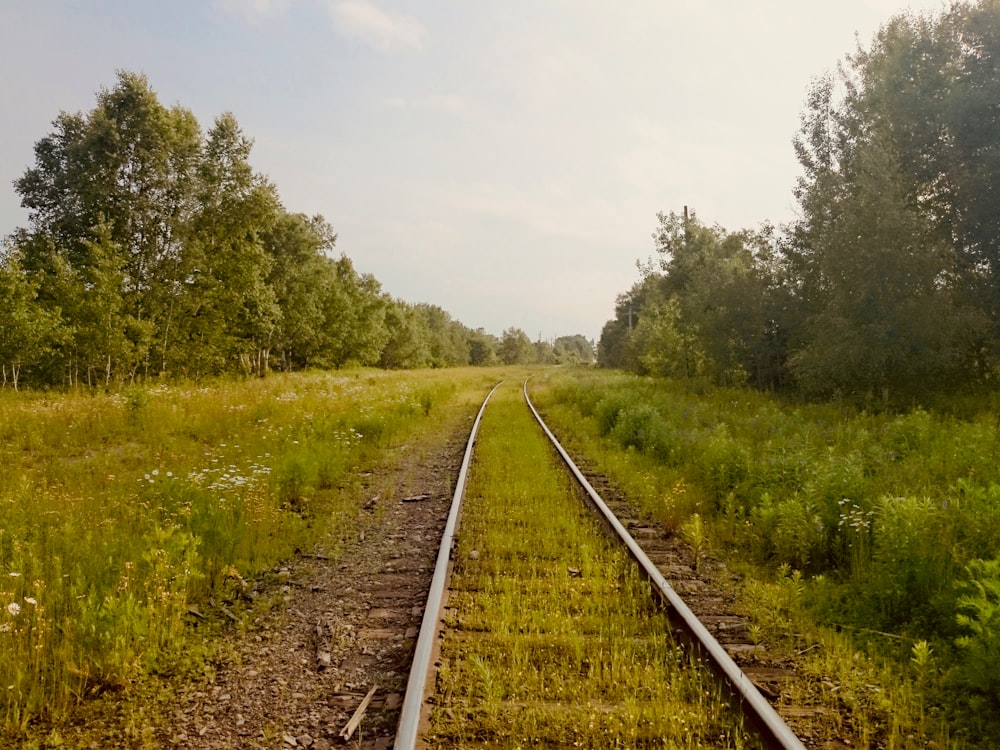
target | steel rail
x=770, y=727
x=413, y=701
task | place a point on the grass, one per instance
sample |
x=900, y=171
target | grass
x=121, y=511
x=875, y=534
x=554, y=638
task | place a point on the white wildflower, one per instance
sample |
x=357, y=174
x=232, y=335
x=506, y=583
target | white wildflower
x=14, y=609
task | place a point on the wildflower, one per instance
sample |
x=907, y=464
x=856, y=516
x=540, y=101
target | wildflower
x=31, y=600
x=14, y=575
x=156, y=472
x=169, y=474
x=14, y=609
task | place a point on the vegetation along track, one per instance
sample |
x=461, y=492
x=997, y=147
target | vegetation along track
x=551, y=637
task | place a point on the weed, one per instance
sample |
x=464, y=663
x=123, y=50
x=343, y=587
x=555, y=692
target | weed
x=558, y=642
x=118, y=511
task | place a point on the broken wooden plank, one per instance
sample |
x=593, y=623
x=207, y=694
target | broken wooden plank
x=352, y=725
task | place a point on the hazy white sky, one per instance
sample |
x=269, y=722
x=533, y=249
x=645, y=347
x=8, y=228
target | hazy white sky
x=504, y=159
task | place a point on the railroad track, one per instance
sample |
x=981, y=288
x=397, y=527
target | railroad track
x=646, y=549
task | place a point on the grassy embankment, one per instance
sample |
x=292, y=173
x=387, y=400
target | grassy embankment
x=120, y=511
x=874, y=537
x=555, y=640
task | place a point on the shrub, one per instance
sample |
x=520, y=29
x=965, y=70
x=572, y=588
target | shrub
x=979, y=617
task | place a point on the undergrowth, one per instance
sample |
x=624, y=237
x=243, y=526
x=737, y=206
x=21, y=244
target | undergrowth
x=123, y=513
x=889, y=523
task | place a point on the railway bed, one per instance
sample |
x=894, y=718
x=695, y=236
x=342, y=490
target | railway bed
x=720, y=637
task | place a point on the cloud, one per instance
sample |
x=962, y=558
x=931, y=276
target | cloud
x=384, y=31
x=449, y=104
x=255, y=12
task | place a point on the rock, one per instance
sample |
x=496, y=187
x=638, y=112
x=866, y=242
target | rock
x=290, y=740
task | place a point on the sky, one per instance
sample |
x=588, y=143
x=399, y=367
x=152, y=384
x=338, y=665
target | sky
x=503, y=159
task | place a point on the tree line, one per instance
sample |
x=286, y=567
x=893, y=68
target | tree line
x=154, y=249
x=887, y=284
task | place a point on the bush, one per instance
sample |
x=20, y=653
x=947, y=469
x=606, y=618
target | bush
x=979, y=617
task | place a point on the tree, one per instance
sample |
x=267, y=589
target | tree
x=407, y=346
x=28, y=331
x=880, y=274
x=615, y=347
x=482, y=348
x=712, y=304
x=229, y=311
x=447, y=339
x=129, y=167
x=354, y=309
x=516, y=347
x=109, y=338
x=573, y=350
x=301, y=269
x=664, y=345
x=932, y=82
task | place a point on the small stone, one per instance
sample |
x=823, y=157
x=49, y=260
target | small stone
x=305, y=740
x=474, y=554
x=290, y=740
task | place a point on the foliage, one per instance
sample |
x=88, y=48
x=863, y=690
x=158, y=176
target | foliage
x=885, y=518
x=979, y=618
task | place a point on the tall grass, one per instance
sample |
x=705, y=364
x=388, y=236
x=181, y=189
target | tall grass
x=118, y=512
x=555, y=640
x=885, y=517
